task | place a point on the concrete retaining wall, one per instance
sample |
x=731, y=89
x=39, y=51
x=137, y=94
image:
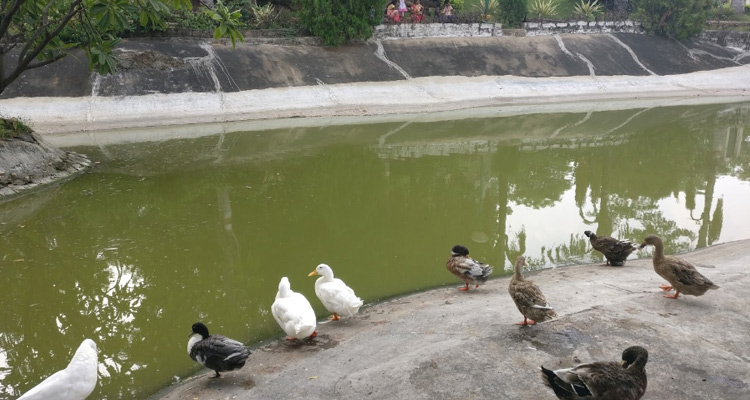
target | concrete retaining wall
x=733, y=39
x=554, y=28
x=397, y=31
x=408, y=30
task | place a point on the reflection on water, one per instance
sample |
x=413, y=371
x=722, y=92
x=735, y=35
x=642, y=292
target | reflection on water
x=160, y=235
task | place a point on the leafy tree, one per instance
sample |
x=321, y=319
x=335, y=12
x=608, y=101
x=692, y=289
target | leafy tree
x=513, y=12
x=677, y=19
x=35, y=33
x=338, y=22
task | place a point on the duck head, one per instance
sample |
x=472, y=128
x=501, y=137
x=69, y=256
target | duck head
x=589, y=234
x=323, y=270
x=520, y=263
x=652, y=240
x=200, y=329
x=459, y=250
x=284, y=287
x=633, y=354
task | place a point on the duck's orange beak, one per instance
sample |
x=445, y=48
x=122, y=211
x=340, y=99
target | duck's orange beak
x=642, y=245
x=312, y=273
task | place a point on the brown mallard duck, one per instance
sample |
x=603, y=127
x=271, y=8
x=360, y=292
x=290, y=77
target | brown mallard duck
x=681, y=275
x=614, y=250
x=528, y=297
x=603, y=379
x=466, y=268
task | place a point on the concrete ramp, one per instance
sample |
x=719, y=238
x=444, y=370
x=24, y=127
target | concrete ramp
x=446, y=344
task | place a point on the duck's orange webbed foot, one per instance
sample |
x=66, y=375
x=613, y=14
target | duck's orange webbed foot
x=526, y=321
x=334, y=317
x=464, y=288
x=665, y=287
x=315, y=333
x=673, y=296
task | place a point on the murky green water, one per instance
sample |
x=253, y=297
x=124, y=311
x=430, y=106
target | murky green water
x=160, y=235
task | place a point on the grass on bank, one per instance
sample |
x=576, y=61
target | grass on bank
x=13, y=127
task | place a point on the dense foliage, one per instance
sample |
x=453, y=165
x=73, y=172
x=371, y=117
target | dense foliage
x=513, y=12
x=337, y=22
x=678, y=19
x=40, y=32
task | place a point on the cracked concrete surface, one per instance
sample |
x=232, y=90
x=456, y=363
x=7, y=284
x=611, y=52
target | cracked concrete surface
x=446, y=344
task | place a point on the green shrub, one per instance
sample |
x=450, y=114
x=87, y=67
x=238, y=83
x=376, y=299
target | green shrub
x=588, y=10
x=264, y=16
x=543, y=9
x=512, y=12
x=338, y=22
x=487, y=9
x=722, y=12
x=678, y=19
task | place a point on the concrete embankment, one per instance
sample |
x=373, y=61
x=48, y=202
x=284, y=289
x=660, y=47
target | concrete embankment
x=446, y=344
x=180, y=81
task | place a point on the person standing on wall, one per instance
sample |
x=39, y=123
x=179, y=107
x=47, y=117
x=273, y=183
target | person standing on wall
x=417, y=11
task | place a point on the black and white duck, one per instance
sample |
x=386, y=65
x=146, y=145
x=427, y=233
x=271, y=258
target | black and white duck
x=216, y=352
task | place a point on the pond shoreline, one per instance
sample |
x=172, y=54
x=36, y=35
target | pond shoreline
x=178, y=81
x=442, y=342
x=419, y=95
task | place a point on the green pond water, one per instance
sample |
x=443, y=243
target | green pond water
x=160, y=235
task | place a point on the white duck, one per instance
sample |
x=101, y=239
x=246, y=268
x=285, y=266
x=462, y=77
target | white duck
x=293, y=312
x=334, y=294
x=75, y=382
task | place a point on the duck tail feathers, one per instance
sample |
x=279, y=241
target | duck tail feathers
x=556, y=384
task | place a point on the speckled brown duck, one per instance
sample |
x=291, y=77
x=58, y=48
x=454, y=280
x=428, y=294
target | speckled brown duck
x=601, y=380
x=680, y=274
x=614, y=250
x=528, y=297
x=466, y=268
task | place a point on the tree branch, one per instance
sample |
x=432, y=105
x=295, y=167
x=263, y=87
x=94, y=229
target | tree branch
x=8, y=16
x=30, y=51
x=38, y=64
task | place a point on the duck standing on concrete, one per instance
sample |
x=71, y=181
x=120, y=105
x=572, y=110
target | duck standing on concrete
x=528, y=297
x=75, y=382
x=293, y=312
x=603, y=379
x=614, y=250
x=466, y=268
x=336, y=296
x=681, y=275
x=216, y=352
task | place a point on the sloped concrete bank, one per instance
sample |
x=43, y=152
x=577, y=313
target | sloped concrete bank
x=182, y=81
x=446, y=344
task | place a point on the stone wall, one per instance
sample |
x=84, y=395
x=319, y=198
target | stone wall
x=732, y=39
x=553, y=28
x=408, y=30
